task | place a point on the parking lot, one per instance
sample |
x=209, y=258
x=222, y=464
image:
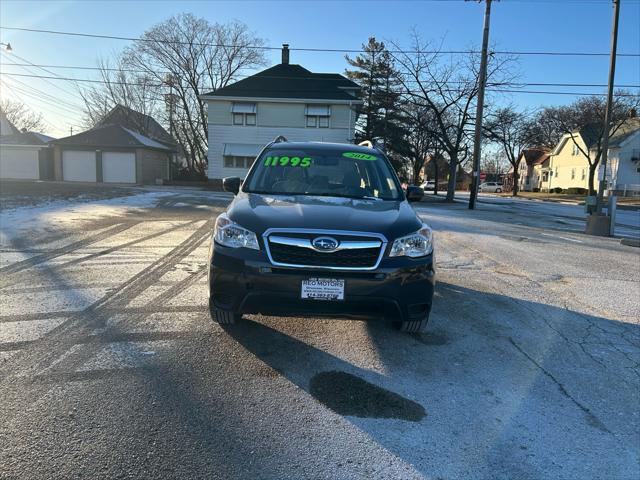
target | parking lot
x=110, y=366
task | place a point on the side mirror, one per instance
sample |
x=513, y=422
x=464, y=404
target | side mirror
x=231, y=184
x=414, y=194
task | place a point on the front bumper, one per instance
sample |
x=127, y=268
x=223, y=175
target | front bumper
x=245, y=281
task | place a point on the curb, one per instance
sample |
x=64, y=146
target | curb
x=631, y=242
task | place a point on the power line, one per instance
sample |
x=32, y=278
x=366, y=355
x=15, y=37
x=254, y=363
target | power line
x=310, y=49
x=86, y=80
x=81, y=67
x=44, y=69
x=60, y=109
x=298, y=91
x=50, y=125
x=526, y=84
x=59, y=102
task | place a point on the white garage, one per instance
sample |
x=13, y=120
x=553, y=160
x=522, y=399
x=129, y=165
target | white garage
x=118, y=167
x=79, y=165
x=111, y=154
x=19, y=162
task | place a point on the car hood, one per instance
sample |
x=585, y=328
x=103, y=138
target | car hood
x=259, y=212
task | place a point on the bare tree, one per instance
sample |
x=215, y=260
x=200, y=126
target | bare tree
x=494, y=161
x=191, y=57
x=168, y=69
x=542, y=130
x=421, y=139
x=448, y=87
x=510, y=130
x=22, y=117
x=121, y=86
x=584, y=119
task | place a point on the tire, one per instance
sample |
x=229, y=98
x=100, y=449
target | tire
x=414, y=326
x=498, y=190
x=222, y=316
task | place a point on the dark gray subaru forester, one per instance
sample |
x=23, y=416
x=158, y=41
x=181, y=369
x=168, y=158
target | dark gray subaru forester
x=321, y=229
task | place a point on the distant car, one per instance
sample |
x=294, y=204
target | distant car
x=492, y=187
x=428, y=185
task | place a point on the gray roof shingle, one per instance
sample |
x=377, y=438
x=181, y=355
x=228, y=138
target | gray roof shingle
x=138, y=122
x=111, y=136
x=290, y=81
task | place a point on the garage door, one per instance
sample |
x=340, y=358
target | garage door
x=79, y=166
x=20, y=163
x=119, y=167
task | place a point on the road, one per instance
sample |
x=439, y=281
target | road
x=567, y=216
x=111, y=368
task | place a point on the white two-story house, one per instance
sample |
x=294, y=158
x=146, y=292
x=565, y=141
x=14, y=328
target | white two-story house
x=284, y=100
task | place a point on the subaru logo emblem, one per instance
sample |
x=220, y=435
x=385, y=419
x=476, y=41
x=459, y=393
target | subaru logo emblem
x=325, y=244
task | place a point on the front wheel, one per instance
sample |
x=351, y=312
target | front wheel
x=414, y=326
x=223, y=316
x=498, y=190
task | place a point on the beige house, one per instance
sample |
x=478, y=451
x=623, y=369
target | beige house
x=569, y=168
x=286, y=99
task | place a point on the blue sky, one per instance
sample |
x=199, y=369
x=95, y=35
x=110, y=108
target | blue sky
x=517, y=25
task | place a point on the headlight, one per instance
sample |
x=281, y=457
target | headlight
x=233, y=235
x=417, y=244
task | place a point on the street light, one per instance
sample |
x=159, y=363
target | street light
x=7, y=46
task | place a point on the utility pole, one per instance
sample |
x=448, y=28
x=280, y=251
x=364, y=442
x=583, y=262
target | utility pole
x=71, y=130
x=169, y=101
x=607, y=115
x=475, y=181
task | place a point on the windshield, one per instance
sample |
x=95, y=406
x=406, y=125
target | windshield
x=338, y=173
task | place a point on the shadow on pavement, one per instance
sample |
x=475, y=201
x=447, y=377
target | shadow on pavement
x=510, y=379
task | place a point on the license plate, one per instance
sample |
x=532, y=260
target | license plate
x=323, y=289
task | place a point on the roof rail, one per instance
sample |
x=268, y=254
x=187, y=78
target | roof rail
x=366, y=143
x=280, y=139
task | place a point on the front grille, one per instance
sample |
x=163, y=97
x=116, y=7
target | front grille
x=351, y=258
x=363, y=258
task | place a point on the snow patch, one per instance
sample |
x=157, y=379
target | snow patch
x=22, y=221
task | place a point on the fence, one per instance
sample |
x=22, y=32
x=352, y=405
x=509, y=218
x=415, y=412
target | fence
x=627, y=190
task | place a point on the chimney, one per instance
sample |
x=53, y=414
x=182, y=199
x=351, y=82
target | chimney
x=285, y=53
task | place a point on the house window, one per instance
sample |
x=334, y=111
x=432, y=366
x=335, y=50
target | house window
x=244, y=113
x=317, y=116
x=584, y=174
x=556, y=175
x=575, y=150
x=235, y=161
x=545, y=177
x=573, y=173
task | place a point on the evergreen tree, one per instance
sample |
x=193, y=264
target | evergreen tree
x=379, y=117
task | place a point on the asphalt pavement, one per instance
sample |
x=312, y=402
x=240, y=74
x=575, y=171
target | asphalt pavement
x=111, y=368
